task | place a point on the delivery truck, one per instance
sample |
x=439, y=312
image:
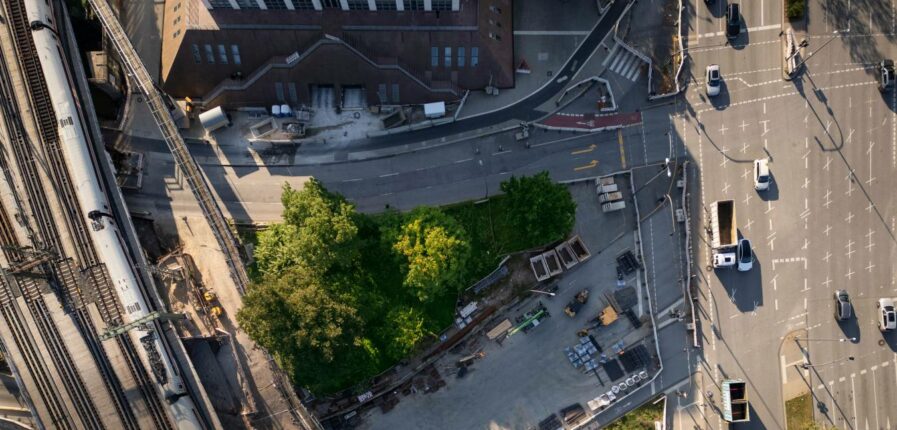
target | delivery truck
x=735, y=401
x=723, y=233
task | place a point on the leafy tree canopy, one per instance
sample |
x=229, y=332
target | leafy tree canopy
x=435, y=252
x=539, y=210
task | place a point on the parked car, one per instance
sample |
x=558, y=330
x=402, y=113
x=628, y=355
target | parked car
x=842, y=305
x=885, y=75
x=745, y=255
x=714, y=80
x=887, y=321
x=733, y=21
x=723, y=260
x=761, y=174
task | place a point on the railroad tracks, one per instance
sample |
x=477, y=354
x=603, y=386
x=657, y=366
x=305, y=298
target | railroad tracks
x=41, y=166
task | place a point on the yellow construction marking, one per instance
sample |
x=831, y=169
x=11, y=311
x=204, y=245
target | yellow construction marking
x=592, y=164
x=622, y=149
x=583, y=151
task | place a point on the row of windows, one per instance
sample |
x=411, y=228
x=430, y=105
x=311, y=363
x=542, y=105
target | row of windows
x=461, y=56
x=222, y=54
x=382, y=94
x=435, y=5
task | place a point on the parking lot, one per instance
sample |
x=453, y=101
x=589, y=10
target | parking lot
x=524, y=378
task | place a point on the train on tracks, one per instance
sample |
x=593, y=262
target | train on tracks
x=103, y=230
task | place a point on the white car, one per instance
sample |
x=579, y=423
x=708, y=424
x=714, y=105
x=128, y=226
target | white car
x=714, y=80
x=745, y=255
x=761, y=174
x=888, y=319
x=723, y=260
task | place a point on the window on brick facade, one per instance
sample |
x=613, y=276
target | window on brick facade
x=248, y=4
x=395, y=93
x=386, y=5
x=434, y=56
x=176, y=34
x=235, y=53
x=294, y=97
x=441, y=5
x=303, y=4
x=275, y=4
x=278, y=91
x=197, y=58
x=220, y=4
x=210, y=56
x=222, y=54
x=331, y=4
x=358, y=5
x=381, y=94
x=461, y=52
x=414, y=4
x=448, y=56
x=474, y=56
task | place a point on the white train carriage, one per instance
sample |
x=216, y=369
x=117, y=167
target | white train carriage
x=94, y=204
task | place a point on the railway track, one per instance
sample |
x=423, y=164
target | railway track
x=60, y=269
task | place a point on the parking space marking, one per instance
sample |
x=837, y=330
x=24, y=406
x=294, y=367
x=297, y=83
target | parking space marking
x=768, y=210
x=849, y=217
x=827, y=282
x=869, y=151
x=828, y=162
x=828, y=201
x=749, y=223
x=828, y=228
x=849, y=274
x=850, y=250
x=853, y=398
x=828, y=255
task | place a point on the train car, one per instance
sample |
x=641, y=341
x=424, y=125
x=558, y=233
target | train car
x=94, y=205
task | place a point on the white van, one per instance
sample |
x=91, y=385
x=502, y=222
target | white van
x=761, y=174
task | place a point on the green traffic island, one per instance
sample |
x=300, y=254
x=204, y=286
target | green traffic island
x=794, y=9
x=340, y=297
x=799, y=413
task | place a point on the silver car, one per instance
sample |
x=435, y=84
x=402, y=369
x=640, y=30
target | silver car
x=714, y=80
x=887, y=321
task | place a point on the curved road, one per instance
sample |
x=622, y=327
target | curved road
x=522, y=110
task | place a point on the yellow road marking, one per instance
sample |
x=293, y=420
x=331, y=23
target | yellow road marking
x=592, y=164
x=622, y=149
x=583, y=151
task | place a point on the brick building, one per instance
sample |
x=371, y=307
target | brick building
x=260, y=52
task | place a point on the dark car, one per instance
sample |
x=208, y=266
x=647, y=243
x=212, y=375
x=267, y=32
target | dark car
x=733, y=21
x=885, y=75
x=842, y=306
x=573, y=414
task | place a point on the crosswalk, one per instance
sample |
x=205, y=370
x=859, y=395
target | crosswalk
x=624, y=63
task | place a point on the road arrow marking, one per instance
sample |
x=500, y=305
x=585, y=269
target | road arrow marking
x=592, y=164
x=584, y=151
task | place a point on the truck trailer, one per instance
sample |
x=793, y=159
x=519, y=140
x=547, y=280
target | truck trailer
x=736, y=408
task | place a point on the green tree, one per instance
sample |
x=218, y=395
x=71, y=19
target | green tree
x=319, y=233
x=435, y=252
x=406, y=331
x=312, y=326
x=539, y=211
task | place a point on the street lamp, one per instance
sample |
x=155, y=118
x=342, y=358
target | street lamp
x=850, y=339
x=544, y=292
x=835, y=33
x=808, y=365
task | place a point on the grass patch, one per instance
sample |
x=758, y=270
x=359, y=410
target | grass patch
x=799, y=413
x=641, y=418
x=794, y=9
x=248, y=235
x=491, y=237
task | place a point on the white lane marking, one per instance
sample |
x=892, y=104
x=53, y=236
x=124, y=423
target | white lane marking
x=875, y=396
x=853, y=398
x=784, y=370
x=389, y=174
x=743, y=30
x=463, y=161
x=352, y=180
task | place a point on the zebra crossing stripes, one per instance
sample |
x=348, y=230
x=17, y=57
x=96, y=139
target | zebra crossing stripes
x=624, y=63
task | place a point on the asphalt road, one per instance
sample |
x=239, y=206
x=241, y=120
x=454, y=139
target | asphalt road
x=826, y=223
x=448, y=174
